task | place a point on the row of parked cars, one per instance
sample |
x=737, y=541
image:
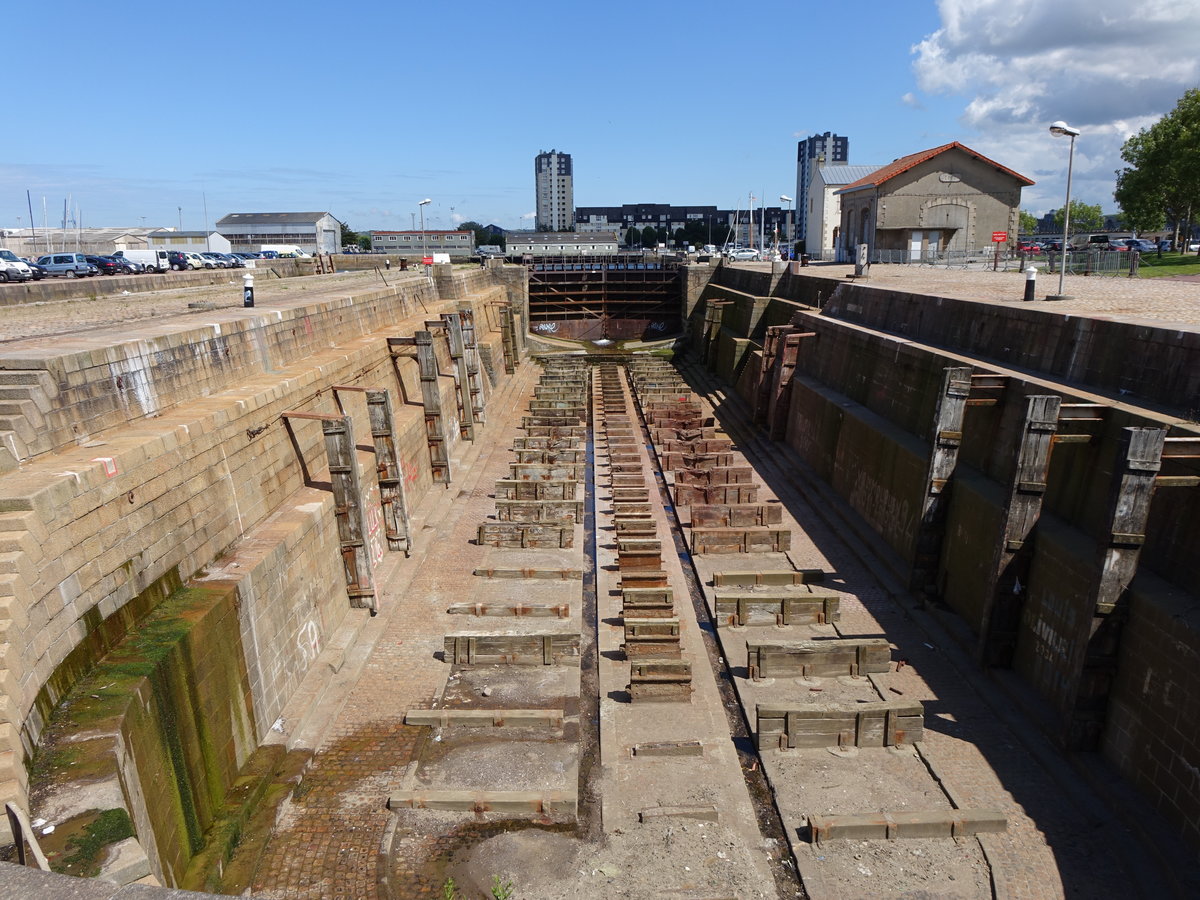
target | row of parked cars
x=131, y=262
x=1101, y=242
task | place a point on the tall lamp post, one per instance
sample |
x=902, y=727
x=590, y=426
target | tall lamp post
x=1062, y=129
x=789, y=232
x=421, y=207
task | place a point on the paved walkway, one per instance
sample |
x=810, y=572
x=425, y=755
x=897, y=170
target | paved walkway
x=1161, y=300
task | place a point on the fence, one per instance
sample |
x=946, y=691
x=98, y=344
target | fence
x=1112, y=263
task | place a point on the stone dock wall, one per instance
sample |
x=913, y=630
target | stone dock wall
x=855, y=388
x=160, y=477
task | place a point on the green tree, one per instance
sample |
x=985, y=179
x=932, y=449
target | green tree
x=364, y=241
x=632, y=236
x=350, y=237
x=681, y=238
x=649, y=237
x=1084, y=217
x=1027, y=222
x=1161, y=181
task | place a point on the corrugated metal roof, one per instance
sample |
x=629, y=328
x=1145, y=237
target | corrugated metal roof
x=845, y=174
x=304, y=218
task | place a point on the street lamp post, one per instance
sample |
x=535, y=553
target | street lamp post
x=1062, y=129
x=421, y=207
x=787, y=223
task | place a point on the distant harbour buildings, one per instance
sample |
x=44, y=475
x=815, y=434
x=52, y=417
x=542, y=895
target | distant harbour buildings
x=555, y=191
x=826, y=149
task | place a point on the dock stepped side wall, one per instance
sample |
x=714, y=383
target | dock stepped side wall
x=854, y=388
x=193, y=488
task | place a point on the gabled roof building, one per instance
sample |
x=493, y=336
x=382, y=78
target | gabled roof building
x=312, y=232
x=947, y=198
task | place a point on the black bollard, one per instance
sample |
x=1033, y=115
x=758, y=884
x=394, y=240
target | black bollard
x=1030, y=283
x=247, y=290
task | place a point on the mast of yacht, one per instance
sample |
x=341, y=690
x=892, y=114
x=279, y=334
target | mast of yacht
x=750, y=224
x=737, y=218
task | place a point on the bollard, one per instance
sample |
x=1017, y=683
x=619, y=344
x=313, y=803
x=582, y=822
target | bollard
x=803, y=259
x=1134, y=259
x=1030, y=283
x=387, y=263
x=247, y=290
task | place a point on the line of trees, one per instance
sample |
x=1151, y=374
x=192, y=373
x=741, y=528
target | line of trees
x=1160, y=183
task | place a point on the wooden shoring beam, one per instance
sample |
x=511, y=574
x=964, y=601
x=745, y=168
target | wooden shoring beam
x=943, y=457
x=1004, y=600
x=1095, y=644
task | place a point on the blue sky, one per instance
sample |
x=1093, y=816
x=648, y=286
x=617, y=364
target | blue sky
x=305, y=106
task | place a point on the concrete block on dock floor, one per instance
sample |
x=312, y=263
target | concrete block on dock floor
x=509, y=802
x=485, y=718
x=698, y=813
x=669, y=748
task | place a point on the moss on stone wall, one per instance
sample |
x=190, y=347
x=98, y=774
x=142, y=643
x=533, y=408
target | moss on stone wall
x=176, y=693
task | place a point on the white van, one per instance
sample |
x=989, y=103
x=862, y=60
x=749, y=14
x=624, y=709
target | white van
x=13, y=268
x=284, y=251
x=153, y=260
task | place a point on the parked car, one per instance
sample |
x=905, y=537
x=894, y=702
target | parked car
x=132, y=266
x=1193, y=246
x=181, y=261
x=151, y=260
x=234, y=261
x=107, y=265
x=1141, y=245
x=13, y=268
x=744, y=253
x=72, y=265
x=1164, y=245
x=1029, y=247
x=216, y=259
x=38, y=272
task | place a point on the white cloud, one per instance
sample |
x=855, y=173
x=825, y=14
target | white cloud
x=1108, y=67
x=911, y=99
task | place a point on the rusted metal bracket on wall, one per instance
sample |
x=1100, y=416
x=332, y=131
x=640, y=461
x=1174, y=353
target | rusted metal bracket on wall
x=389, y=471
x=475, y=382
x=435, y=429
x=348, y=507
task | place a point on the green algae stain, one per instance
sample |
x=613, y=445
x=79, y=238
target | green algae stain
x=85, y=842
x=175, y=689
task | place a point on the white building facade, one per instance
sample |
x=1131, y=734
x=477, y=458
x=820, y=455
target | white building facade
x=459, y=244
x=312, y=232
x=824, y=211
x=190, y=241
x=566, y=243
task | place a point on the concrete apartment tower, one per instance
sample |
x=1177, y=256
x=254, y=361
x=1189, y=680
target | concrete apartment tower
x=819, y=150
x=555, y=190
